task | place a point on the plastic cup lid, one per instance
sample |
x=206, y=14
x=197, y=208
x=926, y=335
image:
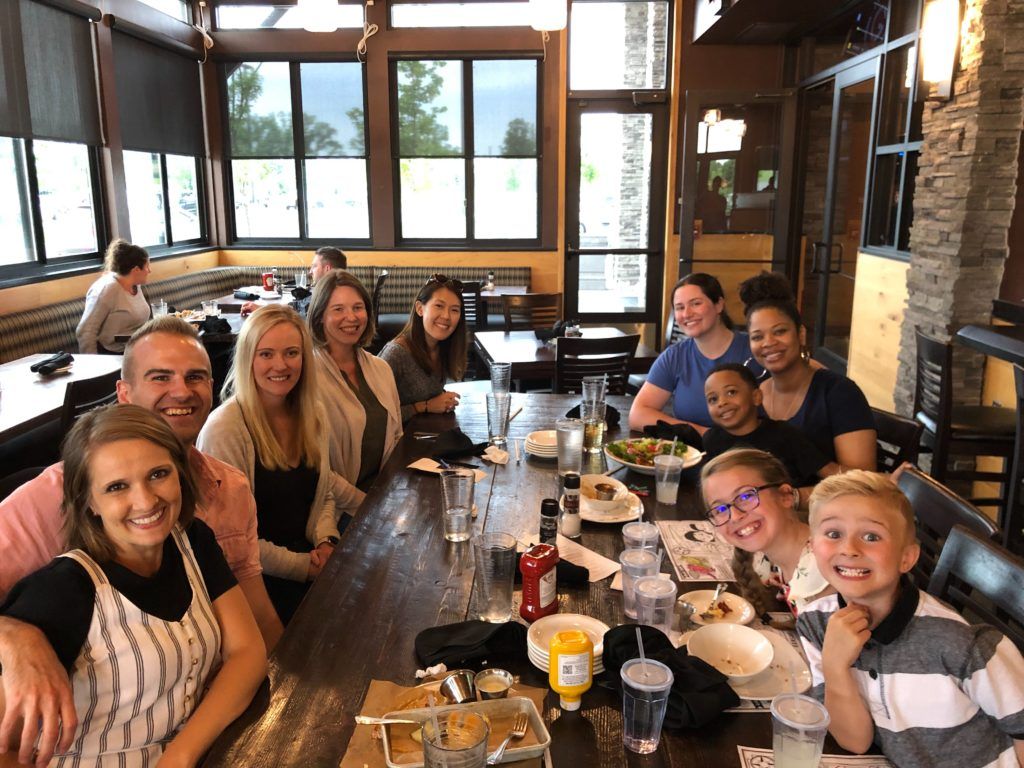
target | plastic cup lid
x=655, y=586
x=639, y=530
x=638, y=558
x=799, y=711
x=647, y=676
x=668, y=461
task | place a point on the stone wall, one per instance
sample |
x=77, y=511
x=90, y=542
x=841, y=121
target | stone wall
x=965, y=193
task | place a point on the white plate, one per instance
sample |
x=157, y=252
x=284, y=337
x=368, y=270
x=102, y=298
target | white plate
x=742, y=611
x=544, y=438
x=693, y=457
x=539, y=450
x=544, y=665
x=630, y=510
x=542, y=630
x=775, y=679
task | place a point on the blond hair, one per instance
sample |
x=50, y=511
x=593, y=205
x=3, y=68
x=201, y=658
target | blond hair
x=241, y=383
x=772, y=472
x=113, y=423
x=872, y=485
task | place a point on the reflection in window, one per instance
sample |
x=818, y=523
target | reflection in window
x=614, y=45
x=65, y=198
x=336, y=203
x=264, y=193
x=15, y=221
x=183, y=198
x=260, y=110
x=476, y=14
x=145, y=188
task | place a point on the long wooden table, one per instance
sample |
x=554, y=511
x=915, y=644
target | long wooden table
x=394, y=574
x=28, y=400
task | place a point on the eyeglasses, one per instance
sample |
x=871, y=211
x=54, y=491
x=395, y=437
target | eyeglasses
x=450, y=282
x=746, y=500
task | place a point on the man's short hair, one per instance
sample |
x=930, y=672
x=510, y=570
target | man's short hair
x=170, y=324
x=333, y=256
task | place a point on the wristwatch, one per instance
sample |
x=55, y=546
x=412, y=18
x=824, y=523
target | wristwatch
x=332, y=540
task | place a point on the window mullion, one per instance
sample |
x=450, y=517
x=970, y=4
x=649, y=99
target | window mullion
x=169, y=236
x=299, y=149
x=28, y=200
x=469, y=148
x=37, y=214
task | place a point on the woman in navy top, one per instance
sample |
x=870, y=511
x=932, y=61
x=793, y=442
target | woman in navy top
x=679, y=372
x=829, y=408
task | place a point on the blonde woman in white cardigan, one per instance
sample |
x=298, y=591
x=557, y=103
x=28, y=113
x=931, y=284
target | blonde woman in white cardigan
x=268, y=428
x=357, y=389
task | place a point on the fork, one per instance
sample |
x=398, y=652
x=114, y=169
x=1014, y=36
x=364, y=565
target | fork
x=518, y=731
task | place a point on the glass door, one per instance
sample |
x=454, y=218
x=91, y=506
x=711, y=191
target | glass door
x=831, y=235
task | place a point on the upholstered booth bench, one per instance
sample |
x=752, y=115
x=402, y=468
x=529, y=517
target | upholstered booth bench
x=52, y=328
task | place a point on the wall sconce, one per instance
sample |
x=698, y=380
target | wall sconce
x=940, y=38
x=319, y=15
x=712, y=116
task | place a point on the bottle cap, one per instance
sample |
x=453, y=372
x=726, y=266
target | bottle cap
x=549, y=508
x=572, y=480
x=569, y=705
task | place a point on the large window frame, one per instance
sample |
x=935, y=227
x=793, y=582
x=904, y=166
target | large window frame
x=171, y=243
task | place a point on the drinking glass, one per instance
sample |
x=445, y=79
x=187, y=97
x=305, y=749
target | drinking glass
x=645, y=689
x=501, y=377
x=211, y=308
x=159, y=308
x=799, y=725
x=667, y=470
x=636, y=563
x=655, y=602
x=594, y=388
x=494, y=555
x=569, y=433
x=302, y=279
x=593, y=414
x=460, y=741
x=457, y=502
x=637, y=535
x=497, y=417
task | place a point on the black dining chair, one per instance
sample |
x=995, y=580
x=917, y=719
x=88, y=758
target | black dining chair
x=1012, y=522
x=898, y=439
x=84, y=395
x=959, y=430
x=529, y=311
x=579, y=357
x=983, y=581
x=379, y=338
x=936, y=510
x=473, y=310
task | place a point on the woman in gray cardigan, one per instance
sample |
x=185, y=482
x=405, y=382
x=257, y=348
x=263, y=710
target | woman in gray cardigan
x=268, y=428
x=115, y=305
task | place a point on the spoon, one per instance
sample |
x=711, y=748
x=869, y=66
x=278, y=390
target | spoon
x=365, y=720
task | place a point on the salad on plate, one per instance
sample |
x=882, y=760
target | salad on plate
x=641, y=451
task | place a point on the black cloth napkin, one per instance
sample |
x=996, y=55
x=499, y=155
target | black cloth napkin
x=612, y=417
x=301, y=293
x=699, y=691
x=566, y=574
x=454, y=444
x=456, y=645
x=213, y=325
x=665, y=431
x=245, y=295
x=555, y=331
x=52, y=363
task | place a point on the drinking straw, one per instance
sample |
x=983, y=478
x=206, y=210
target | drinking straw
x=433, y=717
x=672, y=452
x=643, y=659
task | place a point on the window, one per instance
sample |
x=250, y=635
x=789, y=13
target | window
x=279, y=17
x=152, y=212
x=175, y=8
x=468, y=162
x=316, y=134
x=618, y=45
x=474, y=14
x=66, y=200
x=15, y=215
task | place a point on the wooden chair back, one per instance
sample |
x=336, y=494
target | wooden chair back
x=983, y=581
x=378, y=294
x=936, y=510
x=933, y=402
x=531, y=310
x=579, y=357
x=83, y=395
x=472, y=305
x=899, y=439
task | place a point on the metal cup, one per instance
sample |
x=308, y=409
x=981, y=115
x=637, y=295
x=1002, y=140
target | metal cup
x=458, y=687
x=493, y=683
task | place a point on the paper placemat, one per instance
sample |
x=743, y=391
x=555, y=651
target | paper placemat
x=429, y=465
x=751, y=757
x=365, y=751
x=696, y=553
x=600, y=567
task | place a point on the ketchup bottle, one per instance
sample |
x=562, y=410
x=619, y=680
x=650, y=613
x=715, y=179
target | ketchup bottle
x=540, y=594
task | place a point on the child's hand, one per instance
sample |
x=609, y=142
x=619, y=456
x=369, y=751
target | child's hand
x=845, y=636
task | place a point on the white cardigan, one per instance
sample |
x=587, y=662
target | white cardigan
x=226, y=437
x=346, y=415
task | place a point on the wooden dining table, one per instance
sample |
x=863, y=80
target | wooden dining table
x=393, y=575
x=28, y=400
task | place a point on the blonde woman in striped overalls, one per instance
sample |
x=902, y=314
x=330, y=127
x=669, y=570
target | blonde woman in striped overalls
x=158, y=640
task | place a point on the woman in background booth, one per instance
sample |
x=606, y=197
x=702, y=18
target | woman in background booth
x=144, y=583
x=678, y=374
x=115, y=305
x=269, y=427
x=430, y=349
x=827, y=406
x=357, y=389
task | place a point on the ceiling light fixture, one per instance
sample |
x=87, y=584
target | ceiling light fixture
x=319, y=15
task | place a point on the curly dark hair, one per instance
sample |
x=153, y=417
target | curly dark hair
x=769, y=290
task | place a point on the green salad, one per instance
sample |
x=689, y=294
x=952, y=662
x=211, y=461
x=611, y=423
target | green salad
x=642, y=450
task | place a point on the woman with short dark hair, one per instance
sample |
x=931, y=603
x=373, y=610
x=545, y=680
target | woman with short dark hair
x=115, y=305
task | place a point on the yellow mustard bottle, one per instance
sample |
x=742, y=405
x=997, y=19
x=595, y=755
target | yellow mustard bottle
x=571, y=669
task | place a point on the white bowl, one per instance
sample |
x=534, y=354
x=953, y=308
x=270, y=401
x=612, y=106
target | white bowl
x=587, y=483
x=736, y=651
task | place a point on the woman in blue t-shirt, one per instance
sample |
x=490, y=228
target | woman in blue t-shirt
x=829, y=408
x=679, y=372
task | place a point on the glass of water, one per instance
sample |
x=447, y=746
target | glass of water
x=457, y=502
x=569, y=433
x=497, y=417
x=159, y=308
x=494, y=555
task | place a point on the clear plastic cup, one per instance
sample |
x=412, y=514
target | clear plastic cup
x=460, y=741
x=302, y=279
x=667, y=470
x=638, y=535
x=501, y=377
x=497, y=417
x=636, y=563
x=594, y=388
x=569, y=433
x=159, y=308
x=211, y=308
x=655, y=602
x=494, y=555
x=799, y=725
x=645, y=690
x=457, y=487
